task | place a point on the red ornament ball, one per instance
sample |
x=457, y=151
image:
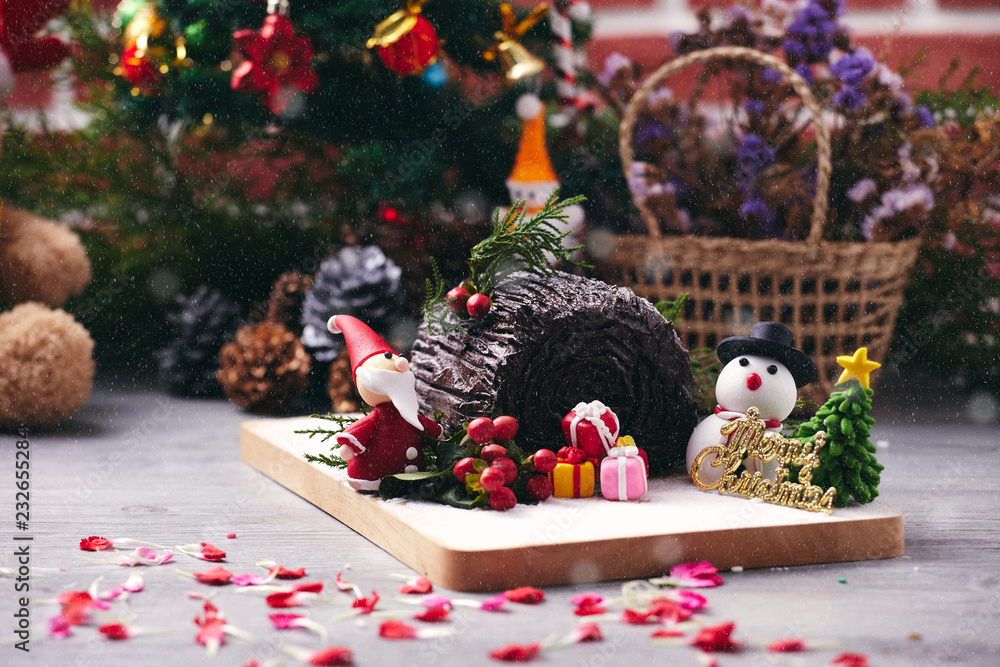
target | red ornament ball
x=539, y=487
x=464, y=467
x=414, y=51
x=492, y=452
x=479, y=305
x=502, y=499
x=545, y=461
x=508, y=467
x=492, y=479
x=481, y=430
x=504, y=429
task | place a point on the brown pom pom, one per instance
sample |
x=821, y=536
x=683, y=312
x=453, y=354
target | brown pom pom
x=46, y=367
x=285, y=306
x=265, y=369
x=40, y=260
x=344, y=396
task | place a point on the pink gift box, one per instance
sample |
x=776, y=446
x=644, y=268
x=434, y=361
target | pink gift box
x=623, y=474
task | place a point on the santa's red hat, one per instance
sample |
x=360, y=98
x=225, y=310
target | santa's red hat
x=20, y=21
x=362, y=342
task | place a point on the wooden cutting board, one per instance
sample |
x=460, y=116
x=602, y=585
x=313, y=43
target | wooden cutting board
x=572, y=541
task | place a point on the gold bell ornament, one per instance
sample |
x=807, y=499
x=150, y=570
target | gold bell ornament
x=517, y=62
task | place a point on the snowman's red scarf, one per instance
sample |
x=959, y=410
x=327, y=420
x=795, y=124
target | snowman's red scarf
x=730, y=415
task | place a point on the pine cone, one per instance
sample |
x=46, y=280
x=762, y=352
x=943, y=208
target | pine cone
x=344, y=396
x=356, y=281
x=205, y=321
x=265, y=369
x=285, y=306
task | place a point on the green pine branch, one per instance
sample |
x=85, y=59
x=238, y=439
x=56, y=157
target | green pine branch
x=522, y=243
x=332, y=461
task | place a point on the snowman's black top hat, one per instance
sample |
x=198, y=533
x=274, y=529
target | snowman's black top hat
x=770, y=339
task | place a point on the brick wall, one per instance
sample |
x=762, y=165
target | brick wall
x=893, y=29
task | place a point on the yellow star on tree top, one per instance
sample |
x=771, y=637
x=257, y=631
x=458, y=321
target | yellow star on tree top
x=857, y=367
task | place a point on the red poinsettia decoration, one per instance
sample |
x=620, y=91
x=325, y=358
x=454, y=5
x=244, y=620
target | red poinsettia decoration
x=277, y=63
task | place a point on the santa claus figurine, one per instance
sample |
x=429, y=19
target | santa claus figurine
x=20, y=49
x=389, y=440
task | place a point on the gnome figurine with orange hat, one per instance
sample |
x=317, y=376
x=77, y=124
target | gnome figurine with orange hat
x=387, y=441
x=533, y=180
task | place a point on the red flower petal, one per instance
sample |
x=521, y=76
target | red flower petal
x=787, y=646
x=308, y=587
x=633, y=617
x=214, y=576
x=95, y=543
x=433, y=615
x=396, y=630
x=342, y=585
x=417, y=586
x=716, y=638
x=525, y=595
x=665, y=633
x=332, y=656
x=282, y=573
x=211, y=626
x=668, y=610
x=114, y=631
x=587, y=599
x=366, y=605
x=76, y=606
x=588, y=632
x=211, y=553
x=696, y=575
x=849, y=659
x=589, y=610
x=516, y=652
x=282, y=600
x=284, y=621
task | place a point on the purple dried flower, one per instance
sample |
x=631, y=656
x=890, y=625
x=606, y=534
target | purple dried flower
x=805, y=71
x=849, y=98
x=924, y=114
x=754, y=107
x=852, y=68
x=756, y=212
x=752, y=156
x=613, y=64
x=862, y=190
x=770, y=75
x=650, y=133
x=810, y=36
x=896, y=201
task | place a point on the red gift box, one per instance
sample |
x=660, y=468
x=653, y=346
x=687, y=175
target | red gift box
x=592, y=427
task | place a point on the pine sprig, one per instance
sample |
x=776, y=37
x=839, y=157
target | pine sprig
x=342, y=421
x=332, y=461
x=435, y=309
x=520, y=243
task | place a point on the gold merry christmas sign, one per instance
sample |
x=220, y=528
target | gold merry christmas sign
x=748, y=438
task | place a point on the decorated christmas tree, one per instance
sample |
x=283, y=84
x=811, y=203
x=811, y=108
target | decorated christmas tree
x=848, y=461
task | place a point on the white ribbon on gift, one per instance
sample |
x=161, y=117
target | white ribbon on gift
x=592, y=413
x=624, y=451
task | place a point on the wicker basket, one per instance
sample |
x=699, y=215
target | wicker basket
x=834, y=296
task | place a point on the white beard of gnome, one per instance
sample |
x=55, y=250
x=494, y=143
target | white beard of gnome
x=755, y=375
x=388, y=440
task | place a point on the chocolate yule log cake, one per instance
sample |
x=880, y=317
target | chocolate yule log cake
x=549, y=343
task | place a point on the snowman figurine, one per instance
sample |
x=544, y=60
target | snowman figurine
x=761, y=370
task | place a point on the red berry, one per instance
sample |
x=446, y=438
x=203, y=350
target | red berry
x=456, y=299
x=539, y=487
x=508, y=467
x=504, y=429
x=479, y=304
x=466, y=466
x=481, y=430
x=492, y=479
x=502, y=499
x=545, y=461
x=492, y=452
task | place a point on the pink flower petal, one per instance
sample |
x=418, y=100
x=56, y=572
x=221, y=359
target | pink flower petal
x=586, y=599
x=494, y=603
x=59, y=627
x=212, y=553
x=230, y=536
x=134, y=583
x=588, y=632
x=284, y=621
x=432, y=601
x=689, y=600
x=696, y=575
x=250, y=579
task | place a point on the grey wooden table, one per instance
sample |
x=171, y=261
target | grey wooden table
x=136, y=463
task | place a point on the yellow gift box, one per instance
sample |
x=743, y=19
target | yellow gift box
x=572, y=480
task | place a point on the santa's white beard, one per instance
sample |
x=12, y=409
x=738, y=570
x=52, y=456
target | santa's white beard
x=399, y=387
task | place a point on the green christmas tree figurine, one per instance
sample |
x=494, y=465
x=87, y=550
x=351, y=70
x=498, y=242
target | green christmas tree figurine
x=848, y=460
